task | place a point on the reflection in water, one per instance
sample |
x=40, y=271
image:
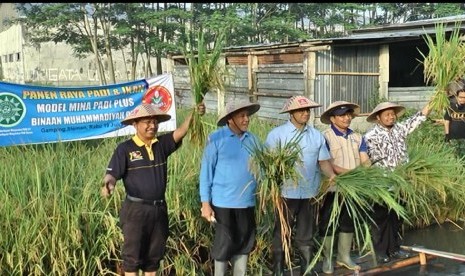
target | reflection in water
x=445, y=237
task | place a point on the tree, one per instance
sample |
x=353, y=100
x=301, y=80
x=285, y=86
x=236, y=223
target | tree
x=142, y=31
x=83, y=26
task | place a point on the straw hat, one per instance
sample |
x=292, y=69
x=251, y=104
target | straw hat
x=232, y=107
x=339, y=108
x=146, y=110
x=398, y=109
x=298, y=102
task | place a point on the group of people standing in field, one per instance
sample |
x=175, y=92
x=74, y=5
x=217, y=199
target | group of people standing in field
x=228, y=188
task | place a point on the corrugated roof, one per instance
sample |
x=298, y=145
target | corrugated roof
x=413, y=24
x=394, y=34
x=408, y=29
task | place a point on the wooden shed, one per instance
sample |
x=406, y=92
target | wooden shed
x=366, y=67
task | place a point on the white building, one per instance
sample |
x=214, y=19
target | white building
x=51, y=64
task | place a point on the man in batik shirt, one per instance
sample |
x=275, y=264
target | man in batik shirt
x=387, y=148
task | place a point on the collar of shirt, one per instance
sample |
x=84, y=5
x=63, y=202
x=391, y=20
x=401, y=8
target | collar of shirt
x=339, y=133
x=140, y=143
x=292, y=128
x=231, y=133
x=385, y=129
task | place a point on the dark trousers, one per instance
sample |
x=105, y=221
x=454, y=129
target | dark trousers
x=298, y=213
x=235, y=232
x=145, y=232
x=386, y=235
x=344, y=224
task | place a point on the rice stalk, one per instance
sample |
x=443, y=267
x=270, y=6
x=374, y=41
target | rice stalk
x=443, y=64
x=206, y=74
x=424, y=189
x=272, y=167
x=433, y=183
x=357, y=191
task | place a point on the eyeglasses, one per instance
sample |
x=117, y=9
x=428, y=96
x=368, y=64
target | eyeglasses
x=149, y=122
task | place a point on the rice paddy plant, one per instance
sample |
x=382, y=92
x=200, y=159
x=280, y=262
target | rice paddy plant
x=51, y=228
x=206, y=74
x=459, y=147
x=183, y=200
x=443, y=63
x=261, y=127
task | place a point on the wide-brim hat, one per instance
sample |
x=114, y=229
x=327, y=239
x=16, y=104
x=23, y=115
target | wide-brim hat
x=233, y=107
x=339, y=108
x=298, y=102
x=143, y=111
x=398, y=109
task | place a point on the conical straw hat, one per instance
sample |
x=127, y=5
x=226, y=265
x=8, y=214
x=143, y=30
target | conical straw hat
x=298, y=102
x=339, y=106
x=146, y=110
x=233, y=106
x=398, y=109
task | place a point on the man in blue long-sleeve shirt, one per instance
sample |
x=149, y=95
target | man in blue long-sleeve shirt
x=227, y=188
x=297, y=196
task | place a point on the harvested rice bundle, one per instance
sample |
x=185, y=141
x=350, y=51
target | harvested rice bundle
x=443, y=64
x=433, y=184
x=205, y=74
x=357, y=191
x=428, y=187
x=271, y=167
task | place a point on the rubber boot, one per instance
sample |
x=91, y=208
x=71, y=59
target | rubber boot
x=278, y=263
x=239, y=264
x=327, y=266
x=220, y=268
x=344, y=245
x=306, y=253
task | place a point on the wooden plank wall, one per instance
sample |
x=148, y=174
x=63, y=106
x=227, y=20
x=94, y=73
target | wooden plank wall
x=273, y=85
x=236, y=87
x=411, y=97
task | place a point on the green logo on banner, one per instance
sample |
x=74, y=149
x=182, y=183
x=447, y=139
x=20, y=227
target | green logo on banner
x=12, y=109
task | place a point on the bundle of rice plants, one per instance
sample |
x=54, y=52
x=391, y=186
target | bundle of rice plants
x=272, y=166
x=433, y=188
x=443, y=64
x=427, y=188
x=358, y=190
x=206, y=74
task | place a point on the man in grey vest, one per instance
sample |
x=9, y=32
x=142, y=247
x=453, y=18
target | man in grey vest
x=348, y=151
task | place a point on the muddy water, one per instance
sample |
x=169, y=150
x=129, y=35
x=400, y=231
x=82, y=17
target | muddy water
x=445, y=237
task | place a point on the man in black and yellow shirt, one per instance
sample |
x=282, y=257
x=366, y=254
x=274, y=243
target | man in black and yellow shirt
x=141, y=162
